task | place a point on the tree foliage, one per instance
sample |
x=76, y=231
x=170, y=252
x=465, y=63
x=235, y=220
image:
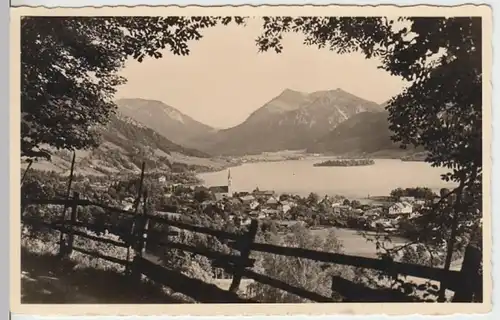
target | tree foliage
x=69, y=71
x=417, y=192
x=440, y=57
x=299, y=272
x=440, y=110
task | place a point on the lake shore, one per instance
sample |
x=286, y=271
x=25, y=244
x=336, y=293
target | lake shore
x=300, y=177
x=345, y=163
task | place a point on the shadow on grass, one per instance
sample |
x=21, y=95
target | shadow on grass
x=47, y=279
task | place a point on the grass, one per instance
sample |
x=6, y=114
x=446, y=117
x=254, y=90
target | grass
x=46, y=278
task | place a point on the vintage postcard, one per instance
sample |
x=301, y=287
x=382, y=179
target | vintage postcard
x=251, y=160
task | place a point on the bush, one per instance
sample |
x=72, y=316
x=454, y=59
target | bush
x=303, y=273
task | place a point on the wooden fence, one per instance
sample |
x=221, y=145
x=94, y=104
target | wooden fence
x=465, y=283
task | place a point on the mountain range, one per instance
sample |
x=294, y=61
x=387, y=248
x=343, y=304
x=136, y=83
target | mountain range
x=366, y=133
x=330, y=121
x=290, y=121
x=125, y=145
x=164, y=119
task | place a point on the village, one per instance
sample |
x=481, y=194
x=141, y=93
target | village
x=381, y=213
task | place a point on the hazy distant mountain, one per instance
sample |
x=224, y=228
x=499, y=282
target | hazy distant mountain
x=125, y=144
x=164, y=119
x=364, y=133
x=132, y=136
x=292, y=120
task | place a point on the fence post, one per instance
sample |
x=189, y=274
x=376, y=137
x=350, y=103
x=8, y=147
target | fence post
x=63, y=214
x=133, y=230
x=141, y=236
x=144, y=226
x=245, y=250
x=469, y=275
x=71, y=226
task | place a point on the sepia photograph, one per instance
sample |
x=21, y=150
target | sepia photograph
x=300, y=156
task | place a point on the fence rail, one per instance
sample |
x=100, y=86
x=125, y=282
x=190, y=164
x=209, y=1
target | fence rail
x=239, y=266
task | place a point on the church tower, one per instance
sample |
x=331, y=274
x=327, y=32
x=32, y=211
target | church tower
x=229, y=180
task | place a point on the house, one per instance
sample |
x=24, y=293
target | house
x=271, y=212
x=288, y=224
x=219, y=197
x=207, y=203
x=100, y=188
x=234, y=201
x=400, y=208
x=414, y=215
x=174, y=186
x=336, y=204
x=382, y=223
x=273, y=203
x=341, y=209
x=169, y=215
x=374, y=212
x=407, y=199
x=247, y=199
x=263, y=194
x=246, y=222
x=162, y=179
x=221, y=190
x=253, y=214
x=357, y=211
x=286, y=207
x=420, y=202
x=127, y=206
x=289, y=203
x=254, y=205
x=258, y=214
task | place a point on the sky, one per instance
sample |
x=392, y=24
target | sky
x=224, y=78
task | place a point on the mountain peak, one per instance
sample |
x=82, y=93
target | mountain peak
x=141, y=103
x=287, y=91
x=292, y=120
x=164, y=119
x=287, y=100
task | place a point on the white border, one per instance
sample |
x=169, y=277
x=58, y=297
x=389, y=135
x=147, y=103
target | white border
x=495, y=174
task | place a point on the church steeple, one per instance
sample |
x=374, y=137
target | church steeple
x=230, y=192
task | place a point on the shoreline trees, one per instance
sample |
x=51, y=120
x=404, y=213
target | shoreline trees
x=345, y=163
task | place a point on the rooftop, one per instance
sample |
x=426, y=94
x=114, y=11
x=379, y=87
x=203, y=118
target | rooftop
x=219, y=189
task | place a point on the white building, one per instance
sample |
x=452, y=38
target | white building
x=286, y=207
x=254, y=205
x=407, y=199
x=400, y=208
x=162, y=179
x=247, y=198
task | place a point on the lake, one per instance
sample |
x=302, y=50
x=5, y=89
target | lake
x=301, y=177
x=355, y=244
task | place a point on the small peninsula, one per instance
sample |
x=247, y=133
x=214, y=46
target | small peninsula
x=419, y=157
x=345, y=163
